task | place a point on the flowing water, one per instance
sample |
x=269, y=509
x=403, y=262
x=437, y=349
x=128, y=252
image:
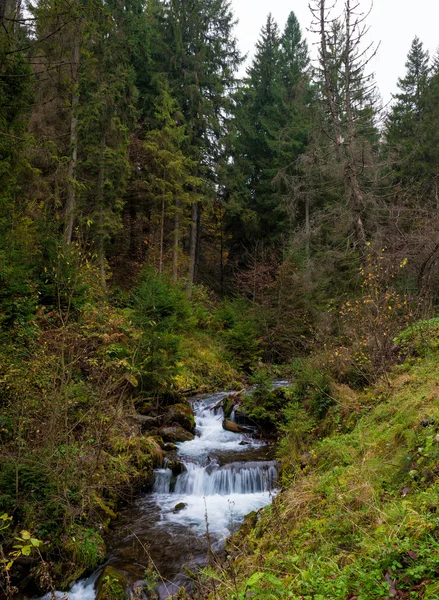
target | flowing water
x=226, y=475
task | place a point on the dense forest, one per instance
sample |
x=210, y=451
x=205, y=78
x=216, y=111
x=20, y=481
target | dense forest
x=170, y=226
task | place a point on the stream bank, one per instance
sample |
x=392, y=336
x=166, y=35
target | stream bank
x=206, y=486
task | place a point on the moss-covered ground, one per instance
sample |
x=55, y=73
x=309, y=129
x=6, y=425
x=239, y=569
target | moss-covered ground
x=359, y=518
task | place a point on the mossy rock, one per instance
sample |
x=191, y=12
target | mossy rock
x=175, y=434
x=169, y=447
x=112, y=585
x=179, y=507
x=180, y=414
x=228, y=406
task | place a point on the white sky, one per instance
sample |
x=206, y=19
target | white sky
x=394, y=23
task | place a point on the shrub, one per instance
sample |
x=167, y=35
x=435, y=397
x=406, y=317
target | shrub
x=163, y=312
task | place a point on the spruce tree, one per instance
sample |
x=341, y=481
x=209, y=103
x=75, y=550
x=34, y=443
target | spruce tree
x=252, y=209
x=169, y=180
x=270, y=132
x=404, y=127
x=201, y=60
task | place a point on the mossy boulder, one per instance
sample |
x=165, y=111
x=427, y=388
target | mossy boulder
x=144, y=422
x=179, y=507
x=176, y=434
x=180, y=414
x=112, y=584
x=169, y=447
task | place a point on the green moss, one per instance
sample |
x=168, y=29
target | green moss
x=361, y=520
x=112, y=585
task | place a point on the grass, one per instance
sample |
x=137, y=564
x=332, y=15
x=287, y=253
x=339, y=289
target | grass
x=361, y=520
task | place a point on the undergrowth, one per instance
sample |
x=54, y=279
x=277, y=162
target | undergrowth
x=358, y=519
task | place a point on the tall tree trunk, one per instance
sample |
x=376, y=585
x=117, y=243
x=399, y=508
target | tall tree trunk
x=100, y=199
x=162, y=235
x=329, y=88
x=71, y=194
x=354, y=195
x=193, y=246
x=176, y=239
x=307, y=225
x=221, y=253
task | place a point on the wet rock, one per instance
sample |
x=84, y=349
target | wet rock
x=169, y=447
x=234, y=427
x=176, y=467
x=231, y=426
x=180, y=506
x=243, y=443
x=179, y=414
x=175, y=434
x=112, y=584
x=146, y=423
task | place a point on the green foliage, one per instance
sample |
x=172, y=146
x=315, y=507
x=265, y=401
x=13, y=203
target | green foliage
x=85, y=545
x=163, y=312
x=359, y=518
x=311, y=387
x=238, y=332
x=419, y=339
x=269, y=132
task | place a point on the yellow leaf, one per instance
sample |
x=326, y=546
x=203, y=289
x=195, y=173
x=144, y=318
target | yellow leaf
x=129, y=377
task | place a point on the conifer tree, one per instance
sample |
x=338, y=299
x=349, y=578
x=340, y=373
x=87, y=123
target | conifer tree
x=169, y=180
x=107, y=112
x=17, y=230
x=201, y=60
x=271, y=131
x=405, y=128
x=251, y=210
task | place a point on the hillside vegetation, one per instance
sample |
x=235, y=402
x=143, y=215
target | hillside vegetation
x=168, y=227
x=357, y=516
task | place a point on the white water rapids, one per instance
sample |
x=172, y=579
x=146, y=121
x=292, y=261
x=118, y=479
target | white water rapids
x=225, y=476
x=214, y=496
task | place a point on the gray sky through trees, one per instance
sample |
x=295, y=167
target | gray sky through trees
x=394, y=23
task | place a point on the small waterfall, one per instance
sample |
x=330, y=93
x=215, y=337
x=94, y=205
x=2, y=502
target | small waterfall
x=227, y=475
x=162, y=481
x=209, y=489
x=234, y=478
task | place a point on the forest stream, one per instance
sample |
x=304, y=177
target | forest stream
x=224, y=477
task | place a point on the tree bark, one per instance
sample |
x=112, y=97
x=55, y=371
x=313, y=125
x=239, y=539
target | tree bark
x=176, y=239
x=330, y=93
x=100, y=199
x=354, y=195
x=307, y=225
x=162, y=235
x=193, y=246
x=71, y=193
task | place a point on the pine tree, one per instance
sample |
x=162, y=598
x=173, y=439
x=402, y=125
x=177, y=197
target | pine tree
x=294, y=56
x=169, y=180
x=17, y=229
x=106, y=113
x=201, y=60
x=271, y=131
x=348, y=109
x=253, y=208
x=404, y=123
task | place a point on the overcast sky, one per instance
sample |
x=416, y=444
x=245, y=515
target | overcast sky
x=393, y=23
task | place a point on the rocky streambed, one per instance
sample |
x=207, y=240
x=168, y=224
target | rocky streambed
x=208, y=482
